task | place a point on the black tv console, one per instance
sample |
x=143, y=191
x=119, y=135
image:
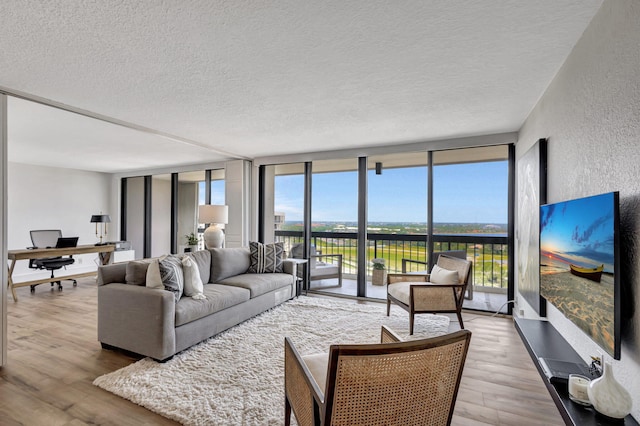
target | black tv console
x=542, y=340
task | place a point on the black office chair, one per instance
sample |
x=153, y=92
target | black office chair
x=48, y=238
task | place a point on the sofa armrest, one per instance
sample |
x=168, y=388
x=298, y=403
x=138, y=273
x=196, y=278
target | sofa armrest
x=114, y=273
x=289, y=266
x=137, y=319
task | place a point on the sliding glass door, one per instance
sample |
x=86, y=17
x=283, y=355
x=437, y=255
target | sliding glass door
x=470, y=215
x=334, y=227
x=397, y=216
x=415, y=206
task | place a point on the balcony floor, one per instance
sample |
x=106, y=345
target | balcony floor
x=482, y=301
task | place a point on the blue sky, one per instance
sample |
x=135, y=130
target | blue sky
x=463, y=193
x=217, y=192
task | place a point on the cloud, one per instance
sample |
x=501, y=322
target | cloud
x=581, y=237
x=546, y=217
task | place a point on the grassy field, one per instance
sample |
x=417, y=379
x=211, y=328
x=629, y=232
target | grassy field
x=489, y=268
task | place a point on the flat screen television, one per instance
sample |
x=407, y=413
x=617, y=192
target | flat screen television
x=580, y=265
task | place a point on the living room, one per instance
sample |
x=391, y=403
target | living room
x=587, y=108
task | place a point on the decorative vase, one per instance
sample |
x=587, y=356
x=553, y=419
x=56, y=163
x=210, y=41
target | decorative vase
x=379, y=277
x=607, y=396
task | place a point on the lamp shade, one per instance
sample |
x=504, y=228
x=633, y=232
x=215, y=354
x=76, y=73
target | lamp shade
x=210, y=213
x=100, y=218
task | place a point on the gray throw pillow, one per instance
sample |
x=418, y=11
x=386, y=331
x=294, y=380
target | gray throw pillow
x=136, y=272
x=228, y=262
x=172, y=275
x=266, y=258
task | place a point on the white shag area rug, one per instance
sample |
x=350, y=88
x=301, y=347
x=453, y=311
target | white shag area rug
x=237, y=377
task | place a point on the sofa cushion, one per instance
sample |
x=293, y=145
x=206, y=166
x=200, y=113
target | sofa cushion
x=266, y=258
x=219, y=297
x=227, y=262
x=203, y=260
x=172, y=275
x=259, y=284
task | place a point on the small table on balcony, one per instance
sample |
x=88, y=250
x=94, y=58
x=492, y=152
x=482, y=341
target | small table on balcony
x=299, y=280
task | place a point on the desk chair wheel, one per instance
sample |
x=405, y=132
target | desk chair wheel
x=33, y=288
x=75, y=283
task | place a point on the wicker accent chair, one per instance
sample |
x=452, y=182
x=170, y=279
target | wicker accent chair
x=416, y=294
x=391, y=383
x=422, y=267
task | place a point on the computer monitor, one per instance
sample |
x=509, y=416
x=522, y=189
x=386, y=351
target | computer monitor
x=65, y=242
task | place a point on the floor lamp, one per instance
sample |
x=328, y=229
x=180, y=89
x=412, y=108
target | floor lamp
x=217, y=216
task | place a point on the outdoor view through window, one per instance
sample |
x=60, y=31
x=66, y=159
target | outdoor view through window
x=470, y=197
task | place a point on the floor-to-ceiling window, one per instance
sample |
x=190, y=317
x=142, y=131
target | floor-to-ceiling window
x=464, y=208
x=397, y=215
x=217, y=187
x=334, y=226
x=470, y=213
x=284, y=211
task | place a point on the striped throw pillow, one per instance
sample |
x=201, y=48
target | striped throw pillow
x=266, y=258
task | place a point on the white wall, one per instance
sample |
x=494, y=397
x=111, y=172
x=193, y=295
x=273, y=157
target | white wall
x=135, y=215
x=51, y=198
x=591, y=115
x=160, y=216
x=238, y=198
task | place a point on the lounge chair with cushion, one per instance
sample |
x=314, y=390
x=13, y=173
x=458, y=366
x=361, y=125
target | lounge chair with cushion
x=442, y=291
x=321, y=266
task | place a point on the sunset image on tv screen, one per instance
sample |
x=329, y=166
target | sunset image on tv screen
x=577, y=263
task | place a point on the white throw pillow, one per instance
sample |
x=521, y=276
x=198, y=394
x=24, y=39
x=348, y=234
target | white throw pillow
x=153, y=279
x=443, y=276
x=193, y=286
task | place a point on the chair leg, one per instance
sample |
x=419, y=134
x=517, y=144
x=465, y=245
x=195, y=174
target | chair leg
x=460, y=320
x=388, y=307
x=411, y=317
x=287, y=412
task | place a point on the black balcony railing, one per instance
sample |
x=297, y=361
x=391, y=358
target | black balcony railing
x=488, y=252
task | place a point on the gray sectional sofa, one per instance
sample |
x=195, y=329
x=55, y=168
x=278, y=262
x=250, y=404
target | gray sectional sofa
x=149, y=321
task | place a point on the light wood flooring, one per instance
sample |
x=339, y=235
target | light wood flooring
x=54, y=356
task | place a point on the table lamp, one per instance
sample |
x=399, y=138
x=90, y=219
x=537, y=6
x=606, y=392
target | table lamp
x=101, y=219
x=216, y=216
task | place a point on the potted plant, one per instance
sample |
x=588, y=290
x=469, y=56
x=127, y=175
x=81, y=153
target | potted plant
x=379, y=276
x=192, y=242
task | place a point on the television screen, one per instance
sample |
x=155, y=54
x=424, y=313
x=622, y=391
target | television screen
x=579, y=265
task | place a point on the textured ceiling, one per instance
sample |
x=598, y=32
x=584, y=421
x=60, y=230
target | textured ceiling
x=250, y=78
